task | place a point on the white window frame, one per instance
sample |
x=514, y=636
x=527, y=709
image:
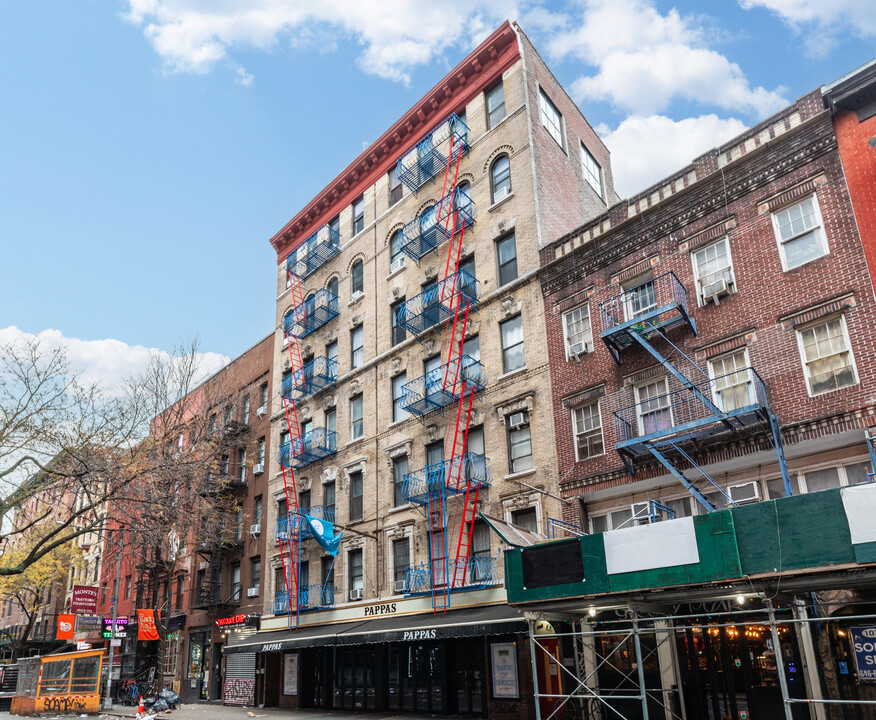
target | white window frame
x=729, y=270
x=588, y=163
x=802, y=351
x=637, y=389
x=361, y=419
x=818, y=228
x=551, y=124
x=713, y=375
x=641, y=281
x=588, y=345
x=598, y=405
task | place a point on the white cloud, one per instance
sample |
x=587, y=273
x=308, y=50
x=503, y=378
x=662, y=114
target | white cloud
x=193, y=36
x=108, y=363
x=647, y=149
x=824, y=22
x=646, y=60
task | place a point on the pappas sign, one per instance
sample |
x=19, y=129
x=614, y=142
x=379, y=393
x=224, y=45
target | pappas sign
x=864, y=645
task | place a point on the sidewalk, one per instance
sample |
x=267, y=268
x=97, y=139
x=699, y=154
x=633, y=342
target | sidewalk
x=198, y=711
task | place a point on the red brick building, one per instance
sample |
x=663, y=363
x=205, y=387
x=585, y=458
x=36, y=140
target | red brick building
x=754, y=250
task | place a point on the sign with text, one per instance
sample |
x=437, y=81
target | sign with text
x=864, y=646
x=88, y=623
x=504, y=657
x=84, y=600
x=146, y=629
x=290, y=674
x=121, y=620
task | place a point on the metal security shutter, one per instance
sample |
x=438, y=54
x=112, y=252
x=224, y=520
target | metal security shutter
x=239, y=686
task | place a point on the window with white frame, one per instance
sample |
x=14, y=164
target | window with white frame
x=550, y=117
x=495, y=103
x=519, y=443
x=800, y=233
x=591, y=170
x=588, y=431
x=733, y=381
x=399, y=412
x=653, y=409
x=577, y=331
x=357, y=346
x=639, y=298
x=513, y=356
x=357, y=428
x=827, y=356
x=713, y=271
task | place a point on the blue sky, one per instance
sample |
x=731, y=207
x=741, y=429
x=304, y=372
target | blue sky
x=150, y=148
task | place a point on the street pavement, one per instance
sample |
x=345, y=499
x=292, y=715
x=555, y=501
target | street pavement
x=198, y=711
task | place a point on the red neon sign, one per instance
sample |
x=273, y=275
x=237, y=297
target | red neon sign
x=233, y=620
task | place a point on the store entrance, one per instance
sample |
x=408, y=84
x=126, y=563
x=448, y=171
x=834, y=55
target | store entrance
x=417, y=679
x=729, y=672
x=357, y=677
x=315, y=674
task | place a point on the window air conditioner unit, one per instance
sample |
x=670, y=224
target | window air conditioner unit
x=714, y=290
x=641, y=513
x=255, y=529
x=579, y=348
x=399, y=586
x=503, y=193
x=262, y=411
x=397, y=264
x=356, y=594
x=252, y=592
x=203, y=566
x=357, y=295
x=258, y=468
x=745, y=493
x=516, y=420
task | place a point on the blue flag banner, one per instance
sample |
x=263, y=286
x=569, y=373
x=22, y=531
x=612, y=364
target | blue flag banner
x=324, y=532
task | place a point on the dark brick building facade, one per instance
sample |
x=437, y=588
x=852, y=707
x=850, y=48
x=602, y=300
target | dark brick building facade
x=768, y=218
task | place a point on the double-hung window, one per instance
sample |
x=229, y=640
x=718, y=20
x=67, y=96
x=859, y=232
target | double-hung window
x=713, y=270
x=357, y=428
x=506, y=251
x=357, y=346
x=357, y=279
x=396, y=251
x=588, y=431
x=800, y=233
x=500, y=178
x=591, y=171
x=398, y=330
x=401, y=559
x=512, y=344
x=356, y=585
x=827, y=356
x=399, y=470
x=519, y=445
x=653, y=408
x=398, y=397
x=550, y=117
x=356, y=494
x=358, y=215
x=639, y=299
x=577, y=331
x=733, y=381
x=395, y=187
x=495, y=98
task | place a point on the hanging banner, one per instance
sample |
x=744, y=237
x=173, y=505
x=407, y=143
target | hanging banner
x=84, y=601
x=146, y=629
x=65, y=626
x=324, y=531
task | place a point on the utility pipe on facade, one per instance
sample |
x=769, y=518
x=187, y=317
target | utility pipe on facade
x=108, y=702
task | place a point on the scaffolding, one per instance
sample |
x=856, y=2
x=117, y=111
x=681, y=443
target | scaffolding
x=669, y=426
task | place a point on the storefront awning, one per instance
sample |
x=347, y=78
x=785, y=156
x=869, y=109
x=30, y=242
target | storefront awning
x=479, y=621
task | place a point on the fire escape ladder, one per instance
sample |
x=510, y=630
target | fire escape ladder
x=693, y=487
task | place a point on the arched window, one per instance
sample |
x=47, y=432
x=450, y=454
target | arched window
x=500, y=178
x=357, y=278
x=396, y=254
x=462, y=199
x=333, y=286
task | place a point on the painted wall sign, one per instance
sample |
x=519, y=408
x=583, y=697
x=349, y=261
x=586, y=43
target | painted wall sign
x=864, y=647
x=290, y=674
x=387, y=609
x=84, y=600
x=504, y=662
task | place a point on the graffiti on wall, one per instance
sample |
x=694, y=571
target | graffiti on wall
x=63, y=703
x=239, y=691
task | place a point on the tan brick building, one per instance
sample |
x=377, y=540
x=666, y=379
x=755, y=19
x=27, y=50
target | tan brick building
x=533, y=169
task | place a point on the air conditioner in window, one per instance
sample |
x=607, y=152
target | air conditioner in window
x=516, y=420
x=501, y=193
x=255, y=529
x=579, y=348
x=745, y=493
x=357, y=295
x=203, y=566
x=252, y=592
x=397, y=264
x=399, y=586
x=356, y=594
x=258, y=468
x=715, y=290
x=641, y=513
x=262, y=411
x=287, y=363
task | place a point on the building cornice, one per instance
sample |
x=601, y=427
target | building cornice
x=488, y=61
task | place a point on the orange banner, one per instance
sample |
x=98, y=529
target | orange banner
x=146, y=629
x=65, y=626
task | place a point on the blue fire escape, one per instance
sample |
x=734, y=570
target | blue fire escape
x=428, y=158
x=426, y=232
x=317, y=375
x=671, y=420
x=436, y=302
x=314, y=252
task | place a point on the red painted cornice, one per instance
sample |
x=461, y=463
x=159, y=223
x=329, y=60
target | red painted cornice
x=472, y=76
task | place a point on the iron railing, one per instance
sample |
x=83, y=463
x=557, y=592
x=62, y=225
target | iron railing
x=319, y=374
x=314, y=252
x=310, y=597
x=734, y=394
x=312, y=314
x=310, y=447
x=475, y=572
x=448, y=476
x=434, y=304
x=437, y=223
x=653, y=297
x=557, y=528
x=293, y=523
x=444, y=385
x=429, y=156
